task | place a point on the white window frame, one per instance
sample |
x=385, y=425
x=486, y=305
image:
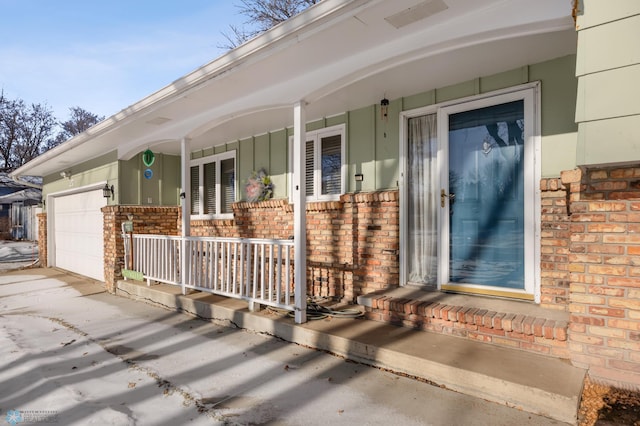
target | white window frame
x=200, y=162
x=316, y=137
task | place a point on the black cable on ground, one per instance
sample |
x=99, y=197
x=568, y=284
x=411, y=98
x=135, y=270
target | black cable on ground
x=315, y=311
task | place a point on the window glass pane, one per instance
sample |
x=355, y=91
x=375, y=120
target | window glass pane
x=195, y=190
x=487, y=216
x=309, y=169
x=227, y=184
x=209, y=188
x=331, y=160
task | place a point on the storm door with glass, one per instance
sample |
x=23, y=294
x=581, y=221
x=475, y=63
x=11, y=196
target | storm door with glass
x=486, y=193
x=469, y=209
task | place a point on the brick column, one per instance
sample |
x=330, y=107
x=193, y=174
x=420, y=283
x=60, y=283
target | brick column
x=146, y=220
x=604, y=333
x=42, y=239
x=554, y=241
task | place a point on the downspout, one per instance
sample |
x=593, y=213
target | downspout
x=185, y=196
x=299, y=212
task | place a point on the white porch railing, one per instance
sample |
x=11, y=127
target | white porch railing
x=257, y=270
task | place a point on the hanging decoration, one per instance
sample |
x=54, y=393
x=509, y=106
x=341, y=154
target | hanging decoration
x=259, y=186
x=384, y=109
x=148, y=157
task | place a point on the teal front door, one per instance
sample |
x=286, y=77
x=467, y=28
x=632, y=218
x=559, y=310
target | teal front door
x=486, y=196
x=470, y=222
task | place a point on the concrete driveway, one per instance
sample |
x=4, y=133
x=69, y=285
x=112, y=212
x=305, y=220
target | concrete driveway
x=72, y=354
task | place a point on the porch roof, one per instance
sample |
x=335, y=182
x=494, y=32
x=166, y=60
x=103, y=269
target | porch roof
x=337, y=56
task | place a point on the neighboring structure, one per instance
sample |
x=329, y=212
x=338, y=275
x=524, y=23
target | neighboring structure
x=19, y=205
x=483, y=148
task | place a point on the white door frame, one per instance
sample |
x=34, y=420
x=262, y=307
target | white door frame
x=531, y=94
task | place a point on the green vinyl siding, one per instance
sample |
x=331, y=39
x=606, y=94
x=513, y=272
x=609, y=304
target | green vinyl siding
x=261, y=149
x=162, y=189
x=278, y=163
x=592, y=13
x=608, y=69
x=245, y=160
x=372, y=145
x=559, y=129
x=100, y=169
x=361, y=149
x=267, y=151
x=387, y=148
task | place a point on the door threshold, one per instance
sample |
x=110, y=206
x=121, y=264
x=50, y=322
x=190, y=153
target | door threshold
x=465, y=289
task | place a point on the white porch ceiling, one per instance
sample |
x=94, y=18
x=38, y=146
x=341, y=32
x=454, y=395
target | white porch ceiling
x=337, y=56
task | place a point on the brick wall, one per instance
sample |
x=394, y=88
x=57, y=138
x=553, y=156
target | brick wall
x=604, y=332
x=146, y=220
x=555, y=238
x=352, y=244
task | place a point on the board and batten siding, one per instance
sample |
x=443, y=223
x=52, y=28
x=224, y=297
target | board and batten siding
x=372, y=143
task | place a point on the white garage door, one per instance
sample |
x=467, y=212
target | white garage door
x=78, y=231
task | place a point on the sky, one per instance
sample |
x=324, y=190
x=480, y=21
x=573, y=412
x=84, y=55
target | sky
x=104, y=55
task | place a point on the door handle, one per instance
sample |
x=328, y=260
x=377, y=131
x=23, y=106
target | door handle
x=444, y=195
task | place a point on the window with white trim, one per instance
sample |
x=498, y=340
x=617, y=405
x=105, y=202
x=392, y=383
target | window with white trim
x=213, y=185
x=325, y=163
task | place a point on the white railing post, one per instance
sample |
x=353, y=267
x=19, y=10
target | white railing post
x=185, y=157
x=299, y=211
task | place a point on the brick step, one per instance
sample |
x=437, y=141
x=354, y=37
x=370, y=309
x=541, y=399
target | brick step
x=511, y=324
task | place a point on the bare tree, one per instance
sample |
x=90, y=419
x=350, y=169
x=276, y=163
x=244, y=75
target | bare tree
x=79, y=121
x=262, y=15
x=24, y=131
x=9, y=129
x=37, y=129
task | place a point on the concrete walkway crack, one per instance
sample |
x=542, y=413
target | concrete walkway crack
x=167, y=386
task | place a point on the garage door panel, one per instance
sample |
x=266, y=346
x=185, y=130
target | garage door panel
x=78, y=230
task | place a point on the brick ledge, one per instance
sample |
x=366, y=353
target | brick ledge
x=508, y=323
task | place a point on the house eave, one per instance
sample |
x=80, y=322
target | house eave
x=215, y=96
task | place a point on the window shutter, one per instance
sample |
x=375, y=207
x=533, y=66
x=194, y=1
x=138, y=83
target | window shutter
x=310, y=169
x=331, y=160
x=210, y=188
x=227, y=184
x=195, y=190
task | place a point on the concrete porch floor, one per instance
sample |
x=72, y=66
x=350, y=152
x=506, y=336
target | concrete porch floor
x=534, y=383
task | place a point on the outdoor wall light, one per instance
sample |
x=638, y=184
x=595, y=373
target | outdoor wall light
x=66, y=174
x=107, y=191
x=384, y=109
